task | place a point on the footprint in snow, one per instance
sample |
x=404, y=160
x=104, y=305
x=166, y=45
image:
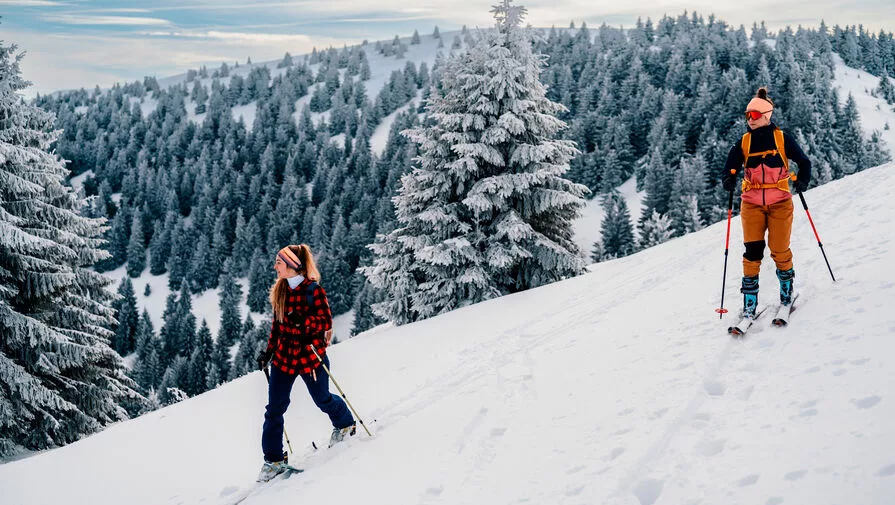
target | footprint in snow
x=887, y=470
x=774, y=500
x=866, y=403
x=748, y=480
x=713, y=447
x=795, y=475
x=575, y=469
x=713, y=387
x=574, y=490
x=648, y=491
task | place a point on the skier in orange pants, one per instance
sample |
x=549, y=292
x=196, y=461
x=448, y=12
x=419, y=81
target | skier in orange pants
x=764, y=153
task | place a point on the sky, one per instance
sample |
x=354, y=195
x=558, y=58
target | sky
x=81, y=43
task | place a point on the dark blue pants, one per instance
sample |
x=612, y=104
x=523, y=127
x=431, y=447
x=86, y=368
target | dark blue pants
x=278, y=393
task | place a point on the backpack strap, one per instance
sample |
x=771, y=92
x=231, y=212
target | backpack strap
x=746, y=144
x=779, y=144
x=781, y=147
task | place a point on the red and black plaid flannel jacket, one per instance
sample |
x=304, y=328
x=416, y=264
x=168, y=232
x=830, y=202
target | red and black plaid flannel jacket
x=304, y=325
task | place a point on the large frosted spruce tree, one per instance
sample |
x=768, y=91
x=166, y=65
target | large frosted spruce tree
x=59, y=379
x=486, y=211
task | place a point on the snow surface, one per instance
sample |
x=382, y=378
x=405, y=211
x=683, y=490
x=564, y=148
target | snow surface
x=247, y=112
x=77, y=182
x=875, y=112
x=379, y=138
x=616, y=387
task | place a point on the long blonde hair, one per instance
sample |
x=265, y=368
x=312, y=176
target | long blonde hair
x=278, y=291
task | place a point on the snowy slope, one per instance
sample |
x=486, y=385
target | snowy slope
x=875, y=112
x=616, y=387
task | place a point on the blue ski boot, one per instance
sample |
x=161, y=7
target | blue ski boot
x=750, y=305
x=750, y=296
x=786, y=277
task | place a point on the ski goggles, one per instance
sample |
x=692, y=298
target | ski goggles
x=755, y=115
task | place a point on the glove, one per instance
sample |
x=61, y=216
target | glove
x=729, y=182
x=801, y=185
x=264, y=359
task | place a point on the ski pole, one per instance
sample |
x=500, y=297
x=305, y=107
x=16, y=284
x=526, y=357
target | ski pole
x=286, y=435
x=721, y=311
x=805, y=205
x=340, y=390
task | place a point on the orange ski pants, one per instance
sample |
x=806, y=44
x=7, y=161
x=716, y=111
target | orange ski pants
x=776, y=221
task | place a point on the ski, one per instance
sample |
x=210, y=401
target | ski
x=783, y=311
x=745, y=323
x=261, y=485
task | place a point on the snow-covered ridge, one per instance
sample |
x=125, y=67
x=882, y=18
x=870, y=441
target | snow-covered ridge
x=616, y=387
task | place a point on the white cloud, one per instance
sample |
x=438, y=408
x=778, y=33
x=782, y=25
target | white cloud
x=81, y=19
x=251, y=38
x=31, y=3
x=91, y=60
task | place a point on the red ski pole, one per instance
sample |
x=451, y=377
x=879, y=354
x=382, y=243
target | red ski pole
x=805, y=205
x=721, y=311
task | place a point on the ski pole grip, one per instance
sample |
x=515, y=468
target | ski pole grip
x=804, y=203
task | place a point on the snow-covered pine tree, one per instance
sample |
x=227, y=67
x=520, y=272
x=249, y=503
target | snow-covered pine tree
x=147, y=369
x=136, y=248
x=682, y=208
x=59, y=379
x=200, y=362
x=160, y=244
x=523, y=206
x=220, y=364
x=655, y=230
x=254, y=339
x=117, y=237
x=261, y=277
x=128, y=318
x=617, y=232
x=231, y=296
x=486, y=211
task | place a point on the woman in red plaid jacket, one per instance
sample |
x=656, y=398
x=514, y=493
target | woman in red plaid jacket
x=296, y=346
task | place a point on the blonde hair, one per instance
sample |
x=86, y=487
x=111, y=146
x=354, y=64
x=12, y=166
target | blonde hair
x=278, y=291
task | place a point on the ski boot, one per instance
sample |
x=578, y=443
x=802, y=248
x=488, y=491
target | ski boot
x=786, y=277
x=750, y=305
x=787, y=300
x=271, y=469
x=339, y=434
